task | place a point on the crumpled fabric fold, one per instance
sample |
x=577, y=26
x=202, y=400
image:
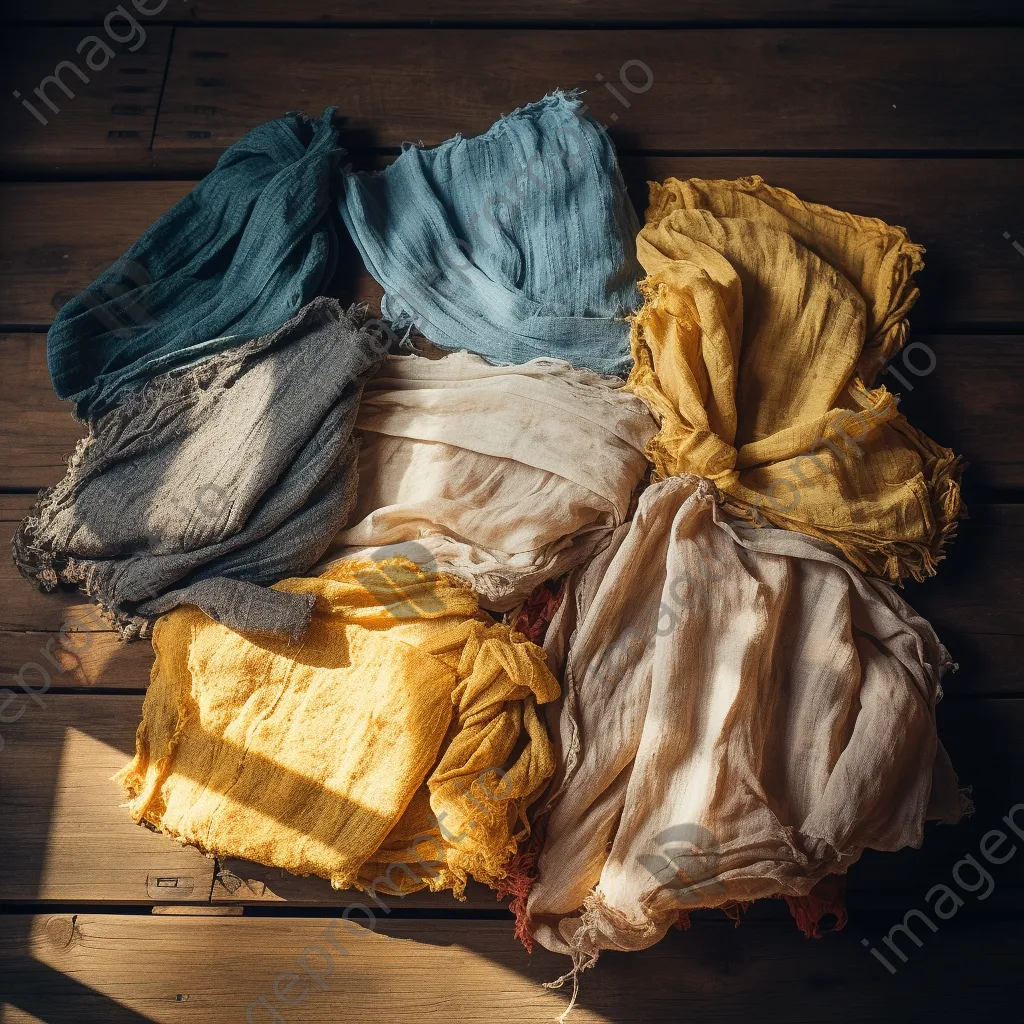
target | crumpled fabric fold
x=515, y=244
x=397, y=746
x=504, y=475
x=213, y=481
x=743, y=713
x=243, y=252
x=765, y=324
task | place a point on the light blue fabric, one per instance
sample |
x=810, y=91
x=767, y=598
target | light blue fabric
x=515, y=244
x=241, y=254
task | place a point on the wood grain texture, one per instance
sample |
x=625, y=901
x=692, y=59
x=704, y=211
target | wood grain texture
x=326, y=12
x=58, y=236
x=971, y=401
x=739, y=90
x=123, y=970
x=37, y=431
x=243, y=882
x=101, y=124
x=979, y=589
x=68, y=838
x=77, y=658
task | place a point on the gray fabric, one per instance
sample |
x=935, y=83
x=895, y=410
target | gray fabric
x=213, y=482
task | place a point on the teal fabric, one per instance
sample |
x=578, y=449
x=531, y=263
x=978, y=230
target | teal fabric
x=235, y=259
x=515, y=244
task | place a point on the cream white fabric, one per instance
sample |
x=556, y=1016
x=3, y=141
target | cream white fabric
x=743, y=712
x=504, y=475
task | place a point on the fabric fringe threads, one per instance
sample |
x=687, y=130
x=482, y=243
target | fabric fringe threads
x=213, y=482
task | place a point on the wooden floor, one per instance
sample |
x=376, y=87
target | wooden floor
x=911, y=110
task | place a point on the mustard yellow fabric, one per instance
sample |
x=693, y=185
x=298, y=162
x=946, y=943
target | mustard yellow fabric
x=766, y=321
x=396, y=746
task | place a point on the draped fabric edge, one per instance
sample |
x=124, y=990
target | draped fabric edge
x=890, y=560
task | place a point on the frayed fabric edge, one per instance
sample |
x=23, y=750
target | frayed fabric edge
x=48, y=570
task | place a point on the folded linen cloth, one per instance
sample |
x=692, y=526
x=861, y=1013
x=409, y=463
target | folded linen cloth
x=766, y=321
x=504, y=475
x=250, y=245
x=213, y=481
x=515, y=244
x=743, y=713
x=396, y=746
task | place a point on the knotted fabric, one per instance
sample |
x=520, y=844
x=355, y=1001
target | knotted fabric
x=765, y=324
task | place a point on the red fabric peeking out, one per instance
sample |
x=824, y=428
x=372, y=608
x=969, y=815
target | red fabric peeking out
x=538, y=609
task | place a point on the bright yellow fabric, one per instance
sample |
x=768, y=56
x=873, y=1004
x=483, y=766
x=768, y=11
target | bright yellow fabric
x=766, y=322
x=365, y=752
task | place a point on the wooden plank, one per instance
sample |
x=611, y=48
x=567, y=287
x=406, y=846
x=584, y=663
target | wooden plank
x=974, y=603
x=326, y=12
x=972, y=401
x=77, y=658
x=37, y=431
x=740, y=90
x=59, y=236
x=65, y=835
x=979, y=589
x=166, y=969
x=98, y=118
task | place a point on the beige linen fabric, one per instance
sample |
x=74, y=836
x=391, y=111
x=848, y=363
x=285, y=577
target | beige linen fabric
x=742, y=713
x=504, y=475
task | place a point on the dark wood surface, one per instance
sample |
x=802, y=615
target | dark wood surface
x=907, y=110
x=349, y=12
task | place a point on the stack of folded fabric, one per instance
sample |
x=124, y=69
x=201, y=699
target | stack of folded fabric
x=685, y=495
